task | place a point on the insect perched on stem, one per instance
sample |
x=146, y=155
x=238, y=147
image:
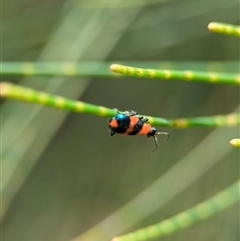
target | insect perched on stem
x=129, y=123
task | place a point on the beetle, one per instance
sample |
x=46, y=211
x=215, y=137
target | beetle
x=130, y=123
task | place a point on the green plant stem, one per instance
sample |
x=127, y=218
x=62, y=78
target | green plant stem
x=207, y=121
x=223, y=28
x=189, y=76
x=235, y=142
x=29, y=95
x=101, y=69
x=15, y=92
x=203, y=210
x=49, y=69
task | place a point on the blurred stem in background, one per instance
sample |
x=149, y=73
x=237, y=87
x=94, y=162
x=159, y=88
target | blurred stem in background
x=203, y=210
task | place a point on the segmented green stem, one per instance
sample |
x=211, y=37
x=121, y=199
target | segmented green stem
x=203, y=210
x=193, y=76
x=25, y=94
x=223, y=28
x=20, y=93
x=235, y=142
x=208, y=121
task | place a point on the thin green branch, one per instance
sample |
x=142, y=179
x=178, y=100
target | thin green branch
x=25, y=94
x=19, y=93
x=49, y=69
x=194, y=76
x=232, y=119
x=101, y=69
x=124, y=4
x=203, y=210
x=235, y=142
x=223, y=28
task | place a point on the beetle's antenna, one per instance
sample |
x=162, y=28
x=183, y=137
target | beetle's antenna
x=164, y=133
x=156, y=144
x=156, y=140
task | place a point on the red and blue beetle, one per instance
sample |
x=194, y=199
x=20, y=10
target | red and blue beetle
x=130, y=123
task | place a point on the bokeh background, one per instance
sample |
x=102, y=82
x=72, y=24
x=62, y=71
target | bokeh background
x=63, y=176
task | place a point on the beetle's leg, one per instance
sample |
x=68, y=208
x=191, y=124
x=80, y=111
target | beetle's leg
x=115, y=109
x=133, y=112
x=144, y=119
x=156, y=144
x=112, y=132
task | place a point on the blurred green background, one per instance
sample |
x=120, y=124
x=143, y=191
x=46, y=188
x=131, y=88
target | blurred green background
x=62, y=174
